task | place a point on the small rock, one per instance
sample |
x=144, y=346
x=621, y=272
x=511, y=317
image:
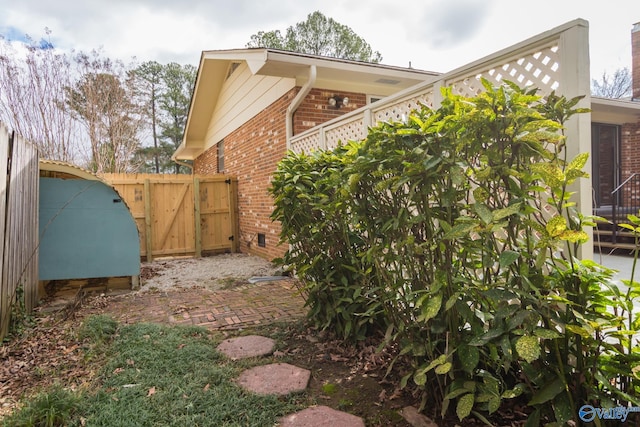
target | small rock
x=321, y=416
x=276, y=378
x=247, y=346
x=415, y=418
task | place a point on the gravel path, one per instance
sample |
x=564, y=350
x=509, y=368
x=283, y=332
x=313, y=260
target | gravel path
x=214, y=272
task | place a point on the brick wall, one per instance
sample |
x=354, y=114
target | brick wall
x=207, y=162
x=252, y=153
x=630, y=150
x=315, y=108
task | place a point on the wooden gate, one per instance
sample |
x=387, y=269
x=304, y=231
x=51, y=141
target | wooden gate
x=181, y=215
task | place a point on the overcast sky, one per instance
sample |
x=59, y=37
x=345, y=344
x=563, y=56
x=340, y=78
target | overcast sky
x=435, y=35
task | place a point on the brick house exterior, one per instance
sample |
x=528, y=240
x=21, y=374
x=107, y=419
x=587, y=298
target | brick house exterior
x=615, y=135
x=263, y=137
x=239, y=120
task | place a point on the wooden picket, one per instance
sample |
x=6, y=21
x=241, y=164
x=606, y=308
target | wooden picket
x=181, y=214
x=19, y=186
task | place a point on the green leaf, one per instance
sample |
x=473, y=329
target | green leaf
x=506, y=212
x=514, y=392
x=548, y=392
x=483, y=212
x=547, y=334
x=534, y=419
x=420, y=378
x=528, y=347
x=438, y=361
x=574, y=236
x=443, y=369
x=465, y=405
x=508, y=257
x=579, y=330
x=451, y=301
x=562, y=408
x=431, y=308
x=494, y=404
x=455, y=393
x=459, y=230
x=469, y=357
x=574, y=168
x=486, y=337
x=556, y=226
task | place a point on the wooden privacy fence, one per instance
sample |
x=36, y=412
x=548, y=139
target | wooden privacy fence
x=181, y=214
x=19, y=188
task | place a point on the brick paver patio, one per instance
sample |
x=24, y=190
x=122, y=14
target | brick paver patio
x=235, y=308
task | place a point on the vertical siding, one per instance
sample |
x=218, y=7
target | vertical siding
x=18, y=225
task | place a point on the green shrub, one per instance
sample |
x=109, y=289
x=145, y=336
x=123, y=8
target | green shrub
x=324, y=244
x=455, y=235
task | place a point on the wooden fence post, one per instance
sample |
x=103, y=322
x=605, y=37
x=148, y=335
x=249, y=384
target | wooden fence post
x=197, y=219
x=147, y=219
x=233, y=206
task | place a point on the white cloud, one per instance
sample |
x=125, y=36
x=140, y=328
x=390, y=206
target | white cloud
x=435, y=35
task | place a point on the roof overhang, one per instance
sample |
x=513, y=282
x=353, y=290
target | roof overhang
x=614, y=111
x=332, y=73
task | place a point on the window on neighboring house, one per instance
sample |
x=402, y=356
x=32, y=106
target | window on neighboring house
x=220, y=156
x=606, y=157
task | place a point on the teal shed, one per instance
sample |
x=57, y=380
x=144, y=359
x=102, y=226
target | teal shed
x=86, y=229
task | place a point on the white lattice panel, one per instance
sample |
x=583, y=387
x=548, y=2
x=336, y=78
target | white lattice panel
x=307, y=144
x=399, y=111
x=349, y=131
x=539, y=69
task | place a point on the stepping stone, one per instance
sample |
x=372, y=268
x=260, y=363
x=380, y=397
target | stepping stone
x=321, y=416
x=276, y=378
x=248, y=346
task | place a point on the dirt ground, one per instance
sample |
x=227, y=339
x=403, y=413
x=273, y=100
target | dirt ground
x=345, y=377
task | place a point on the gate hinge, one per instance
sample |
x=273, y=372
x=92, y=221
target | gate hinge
x=227, y=181
x=231, y=238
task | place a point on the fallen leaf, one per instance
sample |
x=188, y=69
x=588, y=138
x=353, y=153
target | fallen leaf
x=130, y=362
x=397, y=393
x=206, y=387
x=181, y=346
x=117, y=371
x=151, y=391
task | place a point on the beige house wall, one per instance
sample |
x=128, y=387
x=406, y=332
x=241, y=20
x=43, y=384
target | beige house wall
x=242, y=97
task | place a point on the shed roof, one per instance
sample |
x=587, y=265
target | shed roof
x=64, y=170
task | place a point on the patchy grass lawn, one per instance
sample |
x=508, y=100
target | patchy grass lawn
x=154, y=375
x=95, y=372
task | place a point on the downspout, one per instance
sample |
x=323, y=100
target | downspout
x=304, y=91
x=186, y=165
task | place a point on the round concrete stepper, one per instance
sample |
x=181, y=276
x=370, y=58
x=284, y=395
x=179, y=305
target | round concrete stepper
x=248, y=346
x=321, y=416
x=276, y=378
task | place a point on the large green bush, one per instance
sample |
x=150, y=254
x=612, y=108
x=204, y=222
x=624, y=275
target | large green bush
x=454, y=234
